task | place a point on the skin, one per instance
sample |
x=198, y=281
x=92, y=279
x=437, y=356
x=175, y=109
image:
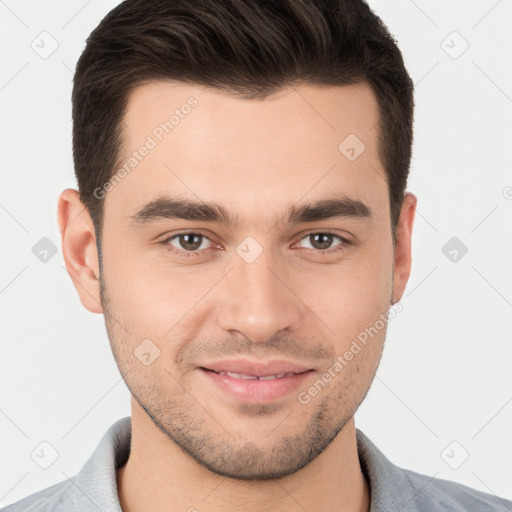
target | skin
x=194, y=447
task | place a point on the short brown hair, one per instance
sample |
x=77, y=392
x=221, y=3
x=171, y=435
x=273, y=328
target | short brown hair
x=250, y=48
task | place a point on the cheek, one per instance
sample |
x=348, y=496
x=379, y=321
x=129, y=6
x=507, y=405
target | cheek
x=152, y=300
x=141, y=282
x=351, y=293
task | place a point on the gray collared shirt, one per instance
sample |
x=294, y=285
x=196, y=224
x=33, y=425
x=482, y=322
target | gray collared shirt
x=392, y=489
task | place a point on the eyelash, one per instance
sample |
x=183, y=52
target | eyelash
x=187, y=254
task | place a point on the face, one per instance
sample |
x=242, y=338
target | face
x=256, y=286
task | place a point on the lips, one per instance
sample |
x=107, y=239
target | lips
x=245, y=376
x=255, y=381
x=245, y=369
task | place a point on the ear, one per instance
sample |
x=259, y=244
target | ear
x=79, y=248
x=403, y=258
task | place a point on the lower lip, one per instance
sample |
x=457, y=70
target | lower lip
x=255, y=390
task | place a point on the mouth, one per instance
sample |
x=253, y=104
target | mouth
x=246, y=376
x=259, y=387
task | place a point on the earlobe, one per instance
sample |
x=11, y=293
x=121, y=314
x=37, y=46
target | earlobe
x=403, y=255
x=79, y=248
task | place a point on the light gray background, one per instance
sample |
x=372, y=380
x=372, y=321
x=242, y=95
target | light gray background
x=445, y=376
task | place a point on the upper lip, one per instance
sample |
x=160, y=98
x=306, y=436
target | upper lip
x=260, y=369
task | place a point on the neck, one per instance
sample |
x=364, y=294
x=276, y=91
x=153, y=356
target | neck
x=159, y=476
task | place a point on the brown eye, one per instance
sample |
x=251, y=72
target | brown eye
x=187, y=244
x=323, y=242
x=190, y=241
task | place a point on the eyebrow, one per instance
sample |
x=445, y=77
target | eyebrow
x=165, y=207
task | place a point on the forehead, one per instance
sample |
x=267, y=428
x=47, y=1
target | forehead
x=204, y=144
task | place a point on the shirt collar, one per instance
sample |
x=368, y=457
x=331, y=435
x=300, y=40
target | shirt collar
x=390, y=488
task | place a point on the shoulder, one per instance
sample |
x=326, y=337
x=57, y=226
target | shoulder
x=58, y=497
x=428, y=493
x=396, y=488
x=94, y=487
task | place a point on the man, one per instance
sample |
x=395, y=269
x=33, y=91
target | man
x=241, y=219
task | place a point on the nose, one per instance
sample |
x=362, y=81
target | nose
x=258, y=300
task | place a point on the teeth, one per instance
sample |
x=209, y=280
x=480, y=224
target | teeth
x=278, y=376
x=238, y=375
x=253, y=377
